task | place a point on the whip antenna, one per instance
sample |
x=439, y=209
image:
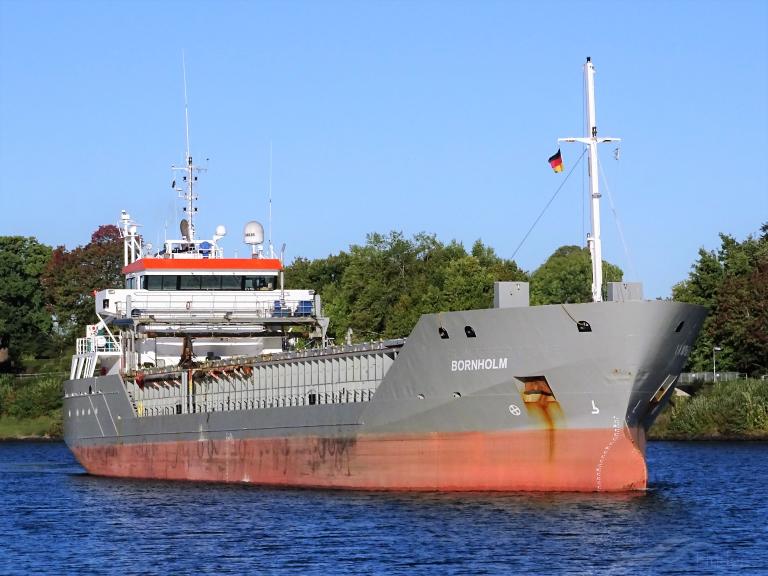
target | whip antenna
x=189, y=171
x=271, y=249
x=186, y=101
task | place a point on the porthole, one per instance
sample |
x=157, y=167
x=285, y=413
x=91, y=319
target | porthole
x=583, y=326
x=443, y=333
x=470, y=332
x=457, y=394
x=420, y=396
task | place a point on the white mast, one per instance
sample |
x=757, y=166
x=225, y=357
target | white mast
x=191, y=170
x=591, y=140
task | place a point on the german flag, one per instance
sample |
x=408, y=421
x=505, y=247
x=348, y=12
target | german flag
x=556, y=161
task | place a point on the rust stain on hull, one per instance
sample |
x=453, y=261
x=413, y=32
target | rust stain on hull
x=541, y=404
x=468, y=461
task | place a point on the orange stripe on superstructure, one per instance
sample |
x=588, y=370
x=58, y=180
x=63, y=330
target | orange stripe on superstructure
x=203, y=264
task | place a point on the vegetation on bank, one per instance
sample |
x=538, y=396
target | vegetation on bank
x=46, y=427
x=30, y=407
x=722, y=411
x=732, y=283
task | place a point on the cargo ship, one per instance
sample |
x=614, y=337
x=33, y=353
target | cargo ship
x=192, y=373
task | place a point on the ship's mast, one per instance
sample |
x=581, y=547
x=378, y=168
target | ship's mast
x=187, y=192
x=591, y=140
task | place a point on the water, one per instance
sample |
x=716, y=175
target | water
x=705, y=513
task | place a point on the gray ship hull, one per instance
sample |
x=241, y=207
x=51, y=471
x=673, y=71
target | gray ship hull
x=533, y=398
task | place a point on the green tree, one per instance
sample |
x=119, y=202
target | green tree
x=733, y=283
x=25, y=326
x=380, y=289
x=72, y=276
x=566, y=277
x=468, y=285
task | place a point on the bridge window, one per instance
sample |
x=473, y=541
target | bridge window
x=258, y=282
x=153, y=282
x=210, y=283
x=200, y=282
x=189, y=283
x=231, y=283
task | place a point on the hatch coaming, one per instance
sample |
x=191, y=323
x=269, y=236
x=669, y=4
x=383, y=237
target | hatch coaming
x=333, y=375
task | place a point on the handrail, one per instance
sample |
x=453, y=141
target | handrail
x=101, y=344
x=271, y=305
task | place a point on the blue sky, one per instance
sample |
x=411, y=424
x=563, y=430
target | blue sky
x=413, y=116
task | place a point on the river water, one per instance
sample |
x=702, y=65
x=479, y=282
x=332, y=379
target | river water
x=706, y=512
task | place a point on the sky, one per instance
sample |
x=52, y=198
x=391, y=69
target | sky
x=418, y=116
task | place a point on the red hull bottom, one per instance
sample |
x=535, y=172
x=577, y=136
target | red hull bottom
x=540, y=460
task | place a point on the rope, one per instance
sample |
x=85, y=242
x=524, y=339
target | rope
x=548, y=204
x=618, y=223
x=569, y=314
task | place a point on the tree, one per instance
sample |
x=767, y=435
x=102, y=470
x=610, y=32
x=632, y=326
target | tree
x=733, y=283
x=25, y=326
x=468, y=285
x=566, y=277
x=380, y=289
x=72, y=276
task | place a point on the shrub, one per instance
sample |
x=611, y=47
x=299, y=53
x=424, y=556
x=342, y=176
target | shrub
x=36, y=398
x=727, y=409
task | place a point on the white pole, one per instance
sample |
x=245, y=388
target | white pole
x=125, y=246
x=596, y=248
x=714, y=363
x=125, y=219
x=591, y=140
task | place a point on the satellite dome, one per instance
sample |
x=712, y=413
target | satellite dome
x=221, y=230
x=253, y=233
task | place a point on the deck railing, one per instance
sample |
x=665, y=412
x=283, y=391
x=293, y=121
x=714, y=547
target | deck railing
x=103, y=344
x=212, y=303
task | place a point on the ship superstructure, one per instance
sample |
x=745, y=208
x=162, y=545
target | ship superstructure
x=192, y=373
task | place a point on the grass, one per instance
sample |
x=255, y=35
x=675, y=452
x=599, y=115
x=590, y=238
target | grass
x=31, y=407
x=726, y=410
x=47, y=426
